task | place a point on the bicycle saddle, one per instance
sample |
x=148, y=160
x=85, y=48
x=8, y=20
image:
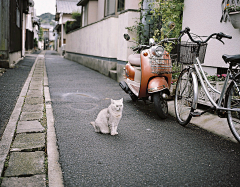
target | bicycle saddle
x=231, y=58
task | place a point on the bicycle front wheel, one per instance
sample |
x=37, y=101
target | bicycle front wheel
x=233, y=101
x=184, y=97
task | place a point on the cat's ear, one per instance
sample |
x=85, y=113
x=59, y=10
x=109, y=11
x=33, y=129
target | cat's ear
x=121, y=100
x=112, y=101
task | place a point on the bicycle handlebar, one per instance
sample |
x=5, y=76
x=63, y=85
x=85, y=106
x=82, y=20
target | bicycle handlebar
x=219, y=36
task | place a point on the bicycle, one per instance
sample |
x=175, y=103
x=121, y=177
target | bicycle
x=186, y=95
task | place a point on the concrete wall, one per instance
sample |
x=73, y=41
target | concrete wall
x=106, y=67
x=103, y=38
x=14, y=58
x=65, y=18
x=101, y=45
x=125, y=20
x=132, y=4
x=97, y=39
x=203, y=18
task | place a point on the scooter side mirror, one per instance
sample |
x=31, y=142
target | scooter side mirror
x=126, y=36
x=151, y=42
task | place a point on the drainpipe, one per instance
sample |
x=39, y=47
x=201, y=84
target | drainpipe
x=61, y=30
x=145, y=9
x=116, y=6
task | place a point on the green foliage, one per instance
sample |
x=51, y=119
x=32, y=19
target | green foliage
x=35, y=42
x=138, y=28
x=72, y=25
x=232, y=8
x=169, y=11
x=162, y=12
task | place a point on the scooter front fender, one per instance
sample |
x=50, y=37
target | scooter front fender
x=158, y=84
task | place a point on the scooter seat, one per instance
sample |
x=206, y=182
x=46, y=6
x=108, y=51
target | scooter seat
x=134, y=60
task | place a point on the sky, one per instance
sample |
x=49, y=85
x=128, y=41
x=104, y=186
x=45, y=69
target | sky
x=45, y=6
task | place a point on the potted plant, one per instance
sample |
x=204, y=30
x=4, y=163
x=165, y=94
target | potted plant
x=234, y=14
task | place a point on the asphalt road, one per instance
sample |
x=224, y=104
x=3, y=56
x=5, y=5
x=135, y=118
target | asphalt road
x=147, y=151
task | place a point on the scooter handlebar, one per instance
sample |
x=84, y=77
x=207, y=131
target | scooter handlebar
x=135, y=49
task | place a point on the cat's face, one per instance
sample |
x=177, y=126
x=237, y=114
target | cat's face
x=117, y=105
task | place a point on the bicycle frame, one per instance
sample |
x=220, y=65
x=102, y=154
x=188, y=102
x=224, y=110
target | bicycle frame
x=202, y=77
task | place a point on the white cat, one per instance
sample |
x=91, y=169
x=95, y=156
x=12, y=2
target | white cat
x=108, y=119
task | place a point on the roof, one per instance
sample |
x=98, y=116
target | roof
x=82, y=2
x=67, y=6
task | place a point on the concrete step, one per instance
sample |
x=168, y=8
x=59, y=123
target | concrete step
x=113, y=74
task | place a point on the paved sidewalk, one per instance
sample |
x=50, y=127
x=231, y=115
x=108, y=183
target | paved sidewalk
x=28, y=150
x=209, y=122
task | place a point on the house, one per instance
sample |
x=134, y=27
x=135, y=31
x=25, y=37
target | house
x=64, y=10
x=206, y=17
x=48, y=36
x=32, y=26
x=99, y=43
x=16, y=30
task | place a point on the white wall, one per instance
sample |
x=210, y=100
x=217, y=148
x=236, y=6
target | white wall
x=97, y=39
x=104, y=38
x=65, y=18
x=203, y=18
x=132, y=4
x=14, y=58
x=126, y=20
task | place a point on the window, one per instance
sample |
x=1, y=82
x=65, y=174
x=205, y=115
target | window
x=120, y=5
x=110, y=6
x=18, y=17
x=85, y=15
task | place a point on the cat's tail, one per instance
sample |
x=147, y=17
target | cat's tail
x=93, y=123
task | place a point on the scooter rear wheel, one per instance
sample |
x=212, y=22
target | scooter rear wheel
x=161, y=105
x=133, y=97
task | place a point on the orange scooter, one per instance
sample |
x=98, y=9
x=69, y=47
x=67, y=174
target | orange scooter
x=149, y=74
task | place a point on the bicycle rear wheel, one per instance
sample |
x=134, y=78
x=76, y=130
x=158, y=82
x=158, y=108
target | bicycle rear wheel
x=233, y=101
x=184, y=97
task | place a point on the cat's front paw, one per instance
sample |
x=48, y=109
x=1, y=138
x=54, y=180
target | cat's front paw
x=114, y=133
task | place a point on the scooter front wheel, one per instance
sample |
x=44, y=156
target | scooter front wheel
x=160, y=104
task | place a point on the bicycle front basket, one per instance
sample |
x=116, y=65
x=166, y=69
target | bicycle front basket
x=187, y=52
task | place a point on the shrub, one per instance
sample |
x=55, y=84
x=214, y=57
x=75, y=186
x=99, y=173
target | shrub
x=72, y=25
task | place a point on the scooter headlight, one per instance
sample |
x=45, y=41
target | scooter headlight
x=159, y=51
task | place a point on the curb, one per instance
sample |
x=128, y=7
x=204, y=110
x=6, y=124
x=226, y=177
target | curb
x=55, y=178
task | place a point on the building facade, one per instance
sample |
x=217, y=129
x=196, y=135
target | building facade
x=16, y=30
x=99, y=43
x=64, y=10
x=206, y=17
